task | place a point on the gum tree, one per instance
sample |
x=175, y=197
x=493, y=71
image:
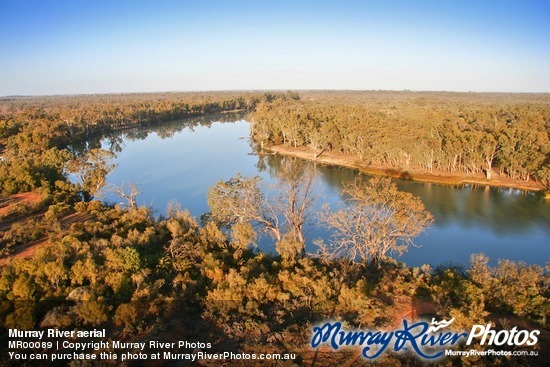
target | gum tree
x=378, y=219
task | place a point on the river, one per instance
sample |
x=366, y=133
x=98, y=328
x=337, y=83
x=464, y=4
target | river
x=182, y=159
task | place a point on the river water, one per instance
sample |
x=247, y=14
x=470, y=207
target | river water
x=182, y=159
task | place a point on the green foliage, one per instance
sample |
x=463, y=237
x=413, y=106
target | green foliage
x=126, y=315
x=242, y=237
x=138, y=276
x=131, y=273
x=509, y=288
x=24, y=232
x=40, y=134
x=411, y=131
x=23, y=317
x=517, y=288
x=239, y=199
x=289, y=249
x=92, y=170
x=33, y=170
x=91, y=313
x=56, y=210
x=282, y=214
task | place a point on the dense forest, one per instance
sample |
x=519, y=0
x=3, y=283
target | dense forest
x=177, y=277
x=504, y=135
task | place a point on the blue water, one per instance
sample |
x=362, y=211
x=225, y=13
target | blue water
x=181, y=160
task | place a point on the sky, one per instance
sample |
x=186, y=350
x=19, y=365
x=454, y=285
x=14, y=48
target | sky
x=80, y=47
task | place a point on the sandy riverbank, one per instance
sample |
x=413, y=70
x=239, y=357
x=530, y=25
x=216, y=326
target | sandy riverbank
x=438, y=177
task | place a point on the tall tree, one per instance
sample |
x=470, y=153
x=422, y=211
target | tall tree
x=92, y=170
x=240, y=199
x=294, y=196
x=284, y=213
x=378, y=219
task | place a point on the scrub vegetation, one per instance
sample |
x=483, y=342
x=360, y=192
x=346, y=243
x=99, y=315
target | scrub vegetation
x=177, y=277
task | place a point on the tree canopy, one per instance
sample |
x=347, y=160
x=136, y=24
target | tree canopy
x=461, y=133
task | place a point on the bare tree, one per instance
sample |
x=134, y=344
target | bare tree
x=378, y=219
x=295, y=196
x=129, y=194
x=240, y=199
x=283, y=213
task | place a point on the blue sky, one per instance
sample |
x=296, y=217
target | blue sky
x=77, y=46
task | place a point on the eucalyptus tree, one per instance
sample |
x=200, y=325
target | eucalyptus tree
x=378, y=219
x=280, y=210
x=92, y=170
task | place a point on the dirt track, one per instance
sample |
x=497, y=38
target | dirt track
x=7, y=219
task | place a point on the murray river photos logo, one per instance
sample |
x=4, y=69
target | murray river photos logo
x=428, y=341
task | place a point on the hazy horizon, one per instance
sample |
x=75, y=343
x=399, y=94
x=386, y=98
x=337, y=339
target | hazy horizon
x=264, y=90
x=67, y=48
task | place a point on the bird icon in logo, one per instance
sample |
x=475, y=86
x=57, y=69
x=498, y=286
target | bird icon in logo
x=436, y=325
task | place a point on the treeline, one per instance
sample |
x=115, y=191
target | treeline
x=467, y=134
x=35, y=131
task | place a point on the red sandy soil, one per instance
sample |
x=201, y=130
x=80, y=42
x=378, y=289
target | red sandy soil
x=27, y=197
x=25, y=251
x=28, y=250
x=439, y=177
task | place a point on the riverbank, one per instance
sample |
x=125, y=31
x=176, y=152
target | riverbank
x=437, y=177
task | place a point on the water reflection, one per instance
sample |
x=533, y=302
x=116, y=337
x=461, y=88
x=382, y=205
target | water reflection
x=115, y=140
x=502, y=210
x=182, y=159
